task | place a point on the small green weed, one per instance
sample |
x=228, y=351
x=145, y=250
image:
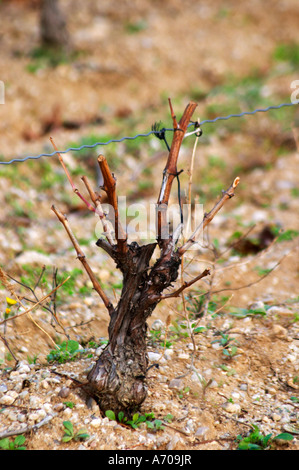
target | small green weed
x=185, y=391
x=32, y=360
x=287, y=53
x=136, y=27
x=50, y=176
x=229, y=371
x=156, y=338
x=66, y=351
x=229, y=345
x=256, y=440
x=20, y=208
x=48, y=57
x=230, y=351
x=16, y=444
x=69, y=404
x=287, y=235
x=69, y=288
x=70, y=434
x=295, y=192
x=262, y=271
x=178, y=329
x=196, y=304
x=137, y=419
x=249, y=312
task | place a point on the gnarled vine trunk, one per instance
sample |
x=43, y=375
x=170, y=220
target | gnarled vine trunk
x=118, y=379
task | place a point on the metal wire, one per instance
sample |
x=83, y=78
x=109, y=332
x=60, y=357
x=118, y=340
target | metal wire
x=86, y=146
x=224, y=118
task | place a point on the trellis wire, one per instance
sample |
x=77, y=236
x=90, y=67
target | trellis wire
x=90, y=146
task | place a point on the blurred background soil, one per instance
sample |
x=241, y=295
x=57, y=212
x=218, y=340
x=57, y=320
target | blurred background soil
x=126, y=59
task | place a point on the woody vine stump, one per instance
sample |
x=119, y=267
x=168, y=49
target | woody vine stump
x=118, y=379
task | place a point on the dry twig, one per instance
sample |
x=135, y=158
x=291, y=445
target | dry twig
x=81, y=256
x=27, y=311
x=170, y=171
x=27, y=428
x=76, y=191
x=229, y=193
x=109, y=187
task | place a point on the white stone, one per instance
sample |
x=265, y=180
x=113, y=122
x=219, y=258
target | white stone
x=183, y=356
x=168, y=355
x=23, y=369
x=21, y=418
x=259, y=216
x=13, y=394
x=34, y=401
x=176, y=383
x=48, y=408
x=173, y=443
x=202, y=431
x=12, y=416
x=154, y=357
x=3, y=388
x=67, y=413
x=279, y=331
x=244, y=387
x=99, y=350
x=292, y=357
x=190, y=425
x=266, y=419
x=37, y=415
x=232, y=407
x=44, y=384
x=257, y=305
x=96, y=423
x=14, y=373
x=157, y=325
x=33, y=417
x=275, y=310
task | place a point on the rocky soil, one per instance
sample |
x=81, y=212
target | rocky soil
x=230, y=362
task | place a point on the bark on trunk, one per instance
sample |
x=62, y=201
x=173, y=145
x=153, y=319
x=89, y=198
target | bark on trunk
x=118, y=379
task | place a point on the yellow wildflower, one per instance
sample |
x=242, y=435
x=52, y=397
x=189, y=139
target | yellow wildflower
x=10, y=301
